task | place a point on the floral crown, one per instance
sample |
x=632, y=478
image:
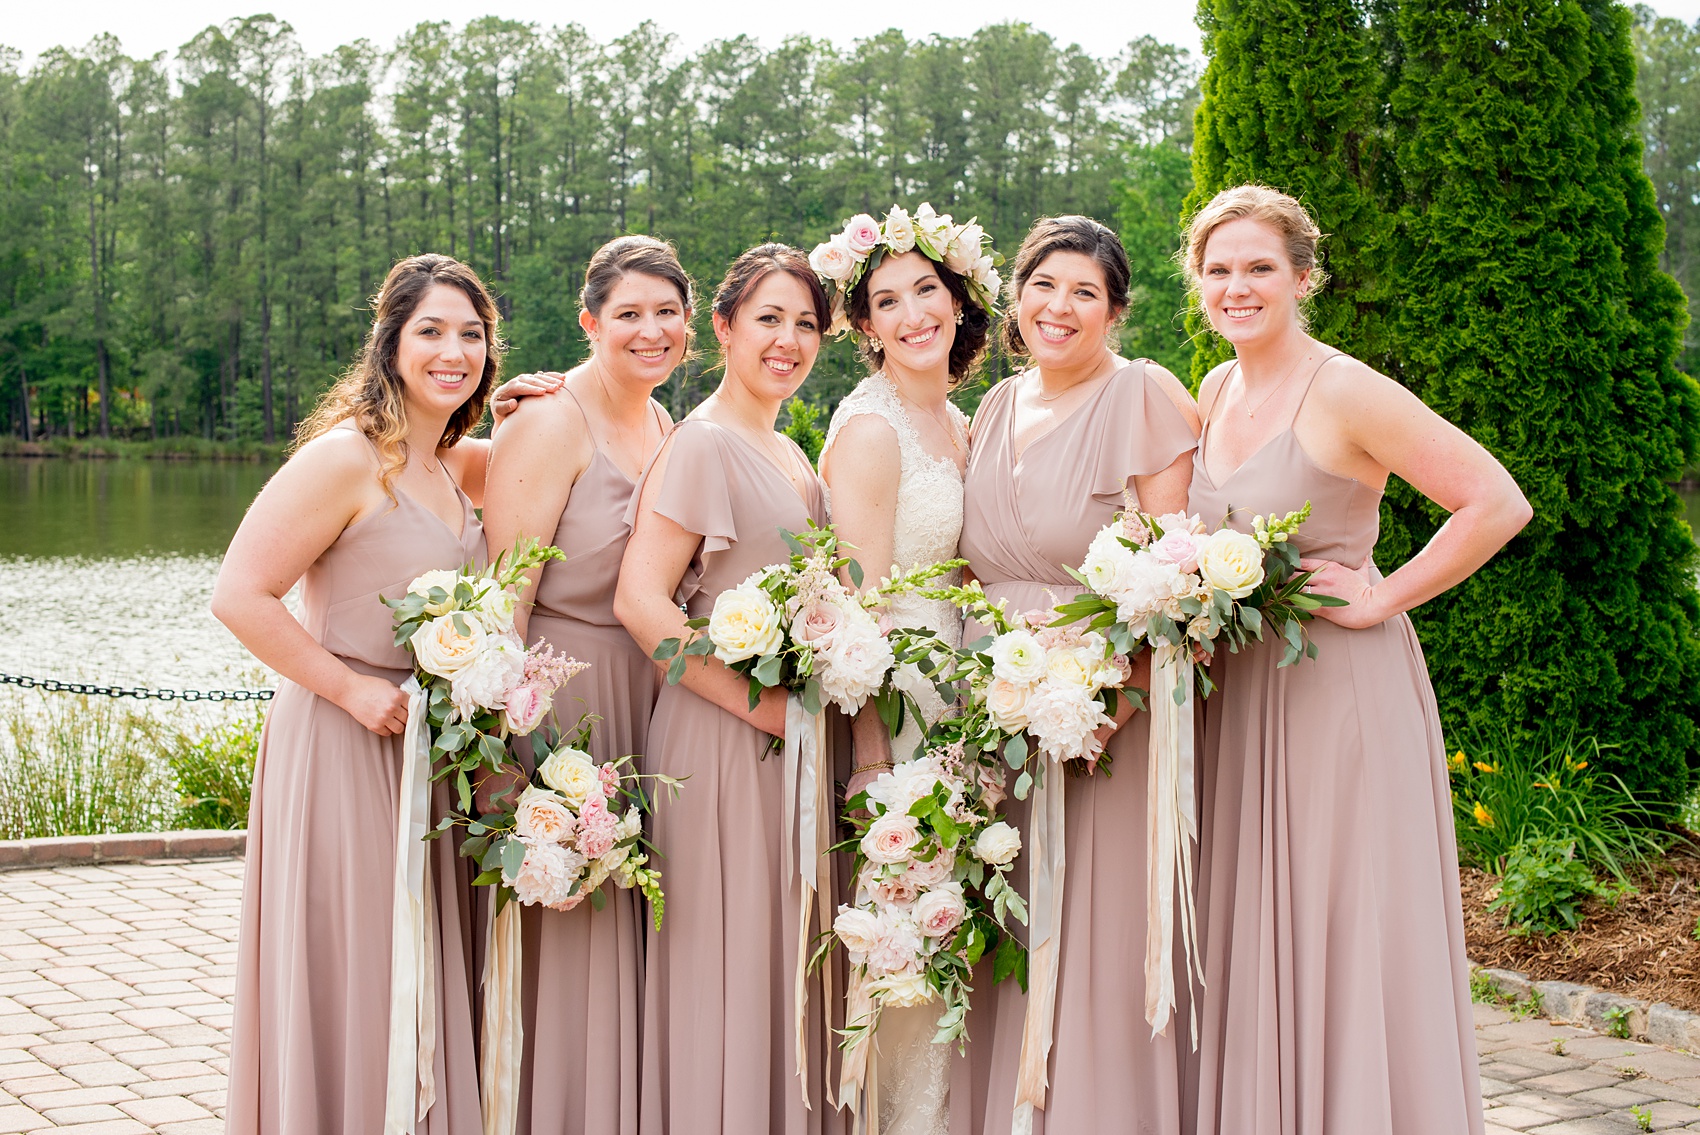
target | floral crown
x=842, y=261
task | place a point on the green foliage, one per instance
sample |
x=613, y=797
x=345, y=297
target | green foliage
x=1532, y=312
x=1509, y=789
x=79, y=766
x=800, y=427
x=1667, y=83
x=1643, y=1115
x=214, y=771
x=1543, y=885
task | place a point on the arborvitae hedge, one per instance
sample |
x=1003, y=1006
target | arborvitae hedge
x=1292, y=97
x=1528, y=307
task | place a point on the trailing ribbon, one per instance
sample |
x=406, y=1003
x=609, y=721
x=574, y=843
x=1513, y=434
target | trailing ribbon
x=858, y=1084
x=1045, y=870
x=808, y=808
x=410, y=1085
x=504, y=1029
x=1171, y=831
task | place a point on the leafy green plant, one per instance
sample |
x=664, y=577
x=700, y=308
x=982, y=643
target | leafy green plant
x=78, y=766
x=1617, y=1021
x=214, y=771
x=1507, y=790
x=1543, y=885
x=801, y=428
x=1643, y=1118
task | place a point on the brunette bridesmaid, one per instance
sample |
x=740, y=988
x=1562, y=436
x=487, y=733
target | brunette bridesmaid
x=1328, y=870
x=377, y=492
x=564, y=471
x=718, y=1033
x=1054, y=449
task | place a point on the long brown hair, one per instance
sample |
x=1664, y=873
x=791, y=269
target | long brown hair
x=371, y=391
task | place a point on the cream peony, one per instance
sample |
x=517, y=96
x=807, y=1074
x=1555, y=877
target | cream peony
x=484, y=682
x=891, y=838
x=1232, y=562
x=1063, y=719
x=444, y=646
x=858, y=930
x=902, y=990
x=941, y=910
x=441, y=577
x=861, y=234
x=744, y=624
x=1018, y=657
x=853, y=666
x=571, y=773
x=897, y=948
x=547, y=875
x=998, y=844
x=899, y=230
x=834, y=259
x=1108, y=566
x=542, y=817
x=1006, y=703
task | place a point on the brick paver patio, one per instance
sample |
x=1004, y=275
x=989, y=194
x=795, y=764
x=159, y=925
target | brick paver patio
x=115, y=1018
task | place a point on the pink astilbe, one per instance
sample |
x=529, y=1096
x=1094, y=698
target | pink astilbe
x=550, y=671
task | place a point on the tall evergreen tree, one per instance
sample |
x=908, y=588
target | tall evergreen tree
x=1531, y=310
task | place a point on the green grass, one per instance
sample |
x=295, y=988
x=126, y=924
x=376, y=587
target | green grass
x=165, y=448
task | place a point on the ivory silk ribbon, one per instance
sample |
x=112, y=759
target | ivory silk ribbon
x=808, y=810
x=858, y=1085
x=504, y=1029
x=1171, y=832
x=1045, y=871
x=410, y=1086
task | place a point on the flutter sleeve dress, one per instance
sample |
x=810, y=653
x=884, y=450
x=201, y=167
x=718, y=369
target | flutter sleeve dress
x=1025, y=520
x=718, y=1034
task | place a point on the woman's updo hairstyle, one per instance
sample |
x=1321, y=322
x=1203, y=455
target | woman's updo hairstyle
x=755, y=265
x=1269, y=207
x=1066, y=234
x=635, y=255
x=969, y=347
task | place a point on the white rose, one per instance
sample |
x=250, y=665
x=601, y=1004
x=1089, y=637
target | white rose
x=1078, y=667
x=1018, y=657
x=571, y=773
x=1063, y=719
x=1232, y=562
x=964, y=253
x=853, y=666
x=442, y=577
x=931, y=225
x=998, y=844
x=484, y=682
x=1006, y=703
x=987, y=277
x=542, y=817
x=899, y=231
x=891, y=838
x=744, y=624
x=444, y=648
x=495, y=606
x=858, y=930
x=901, y=990
x=1108, y=566
x=834, y=259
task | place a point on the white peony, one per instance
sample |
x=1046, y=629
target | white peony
x=834, y=259
x=858, y=930
x=998, y=844
x=897, y=948
x=1063, y=719
x=744, y=624
x=543, y=817
x=1151, y=584
x=1108, y=566
x=906, y=783
x=1018, y=657
x=1006, y=704
x=447, y=644
x=854, y=664
x=547, y=875
x=484, y=682
x=963, y=256
x=441, y=577
x=902, y=990
x=899, y=230
x=1232, y=562
x=571, y=773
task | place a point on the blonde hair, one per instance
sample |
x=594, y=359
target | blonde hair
x=371, y=391
x=1268, y=207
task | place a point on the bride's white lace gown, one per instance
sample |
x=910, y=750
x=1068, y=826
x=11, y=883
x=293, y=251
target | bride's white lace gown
x=914, y=1078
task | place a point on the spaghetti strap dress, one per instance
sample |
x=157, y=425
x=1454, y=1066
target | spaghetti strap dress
x=310, y=1041
x=1336, y=996
x=1024, y=521
x=583, y=968
x=718, y=1034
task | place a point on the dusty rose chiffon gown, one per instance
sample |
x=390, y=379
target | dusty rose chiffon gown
x=583, y=968
x=1024, y=520
x=1336, y=998
x=309, y=1050
x=718, y=1037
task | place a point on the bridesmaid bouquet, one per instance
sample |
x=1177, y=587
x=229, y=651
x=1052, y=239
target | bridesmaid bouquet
x=480, y=684
x=562, y=839
x=1156, y=580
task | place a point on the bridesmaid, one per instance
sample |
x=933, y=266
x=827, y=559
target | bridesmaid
x=718, y=1034
x=1054, y=448
x=375, y=494
x=564, y=472
x=1327, y=867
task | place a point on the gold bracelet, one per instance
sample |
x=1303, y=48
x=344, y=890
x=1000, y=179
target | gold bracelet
x=859, y=769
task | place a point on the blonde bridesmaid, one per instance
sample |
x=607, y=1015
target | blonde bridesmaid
x=1055, y=447
x=718, y=1035
x=564, y=471
x=1328, y=870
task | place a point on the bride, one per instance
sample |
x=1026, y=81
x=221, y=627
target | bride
x=917, y=291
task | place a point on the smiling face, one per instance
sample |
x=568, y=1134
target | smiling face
x=1247, y=283
x=772, y=338
x=641, y=333
x=1064, y=311
x=911, y=312
x=440, y=353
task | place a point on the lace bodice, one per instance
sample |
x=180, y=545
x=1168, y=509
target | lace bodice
x=928, y=525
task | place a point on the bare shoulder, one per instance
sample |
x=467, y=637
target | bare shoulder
x=864, y=452
x=1348, y=386
x=337, y=457
x=661, y=413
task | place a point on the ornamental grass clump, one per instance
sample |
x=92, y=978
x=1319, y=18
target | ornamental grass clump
x=1507, y=790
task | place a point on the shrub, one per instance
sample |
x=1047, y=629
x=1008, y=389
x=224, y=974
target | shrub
x=1543, y=885
x=214, y=772
x=800, y=427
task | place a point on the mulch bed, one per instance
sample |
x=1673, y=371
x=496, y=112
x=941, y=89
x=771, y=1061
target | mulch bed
x=1642, y=947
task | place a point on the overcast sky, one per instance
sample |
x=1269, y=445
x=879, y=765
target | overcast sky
x=144, y=28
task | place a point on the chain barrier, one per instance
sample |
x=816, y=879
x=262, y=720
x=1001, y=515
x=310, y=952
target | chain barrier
x=55, y=686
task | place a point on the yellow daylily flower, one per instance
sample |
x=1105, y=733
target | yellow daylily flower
x=1483, y=816
x=1456, y=761
x=1579, y=766
x=1483, y=766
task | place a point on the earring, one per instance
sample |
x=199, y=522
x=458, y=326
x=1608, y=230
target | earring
x=959, y=317
x=875, y=343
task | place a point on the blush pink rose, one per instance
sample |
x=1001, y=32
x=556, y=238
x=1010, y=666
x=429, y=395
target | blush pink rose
x=891, y=839
x=898, y=891
x=991, y=781
x=932, y=872
x=1179, y=547
x=861, y=234
x=525, y=708
x=939, y=912
x=817, y=624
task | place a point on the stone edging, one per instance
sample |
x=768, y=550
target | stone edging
x=59, y=851
x=1583, y=1005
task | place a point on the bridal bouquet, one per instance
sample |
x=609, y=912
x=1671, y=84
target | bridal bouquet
x=479, y=682
x=1155, y=580
x=564, y=837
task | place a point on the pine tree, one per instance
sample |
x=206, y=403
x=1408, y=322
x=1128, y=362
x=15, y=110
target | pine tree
x=1292, y=98
x=1529, y=308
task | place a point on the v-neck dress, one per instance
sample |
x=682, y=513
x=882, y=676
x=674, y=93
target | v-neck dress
x=310, y=1042
x=583, y=968
x=1025, y=521
x=718, y=1036
x=1336, y=996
